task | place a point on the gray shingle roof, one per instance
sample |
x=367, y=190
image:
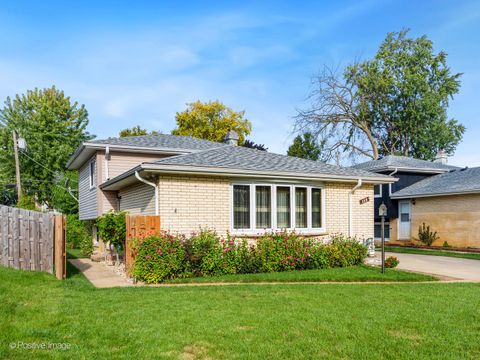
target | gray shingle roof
x=456, y=181
x=391, y=162
x=173, y=142
x=241, y=158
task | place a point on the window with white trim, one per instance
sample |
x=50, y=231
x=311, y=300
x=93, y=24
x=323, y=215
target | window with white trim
x=377, y=191
x=260, y=207
x=92, y=173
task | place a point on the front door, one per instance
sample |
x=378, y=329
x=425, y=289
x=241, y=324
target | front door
x=404, y=220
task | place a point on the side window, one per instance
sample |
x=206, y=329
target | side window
x=92, y=173
x=377, y=191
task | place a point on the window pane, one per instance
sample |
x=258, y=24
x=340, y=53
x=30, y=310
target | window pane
x=264, y=208
x=241, y=207
x=300, y=207
x=378, y=231
x=92, y=173
x=316, y=208
x=283, y=207
x=377, y=189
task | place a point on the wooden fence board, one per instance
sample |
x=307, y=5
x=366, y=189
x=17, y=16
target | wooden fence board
x=138, y=226
x=27, y=240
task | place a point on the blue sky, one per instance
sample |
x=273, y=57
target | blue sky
x=139, y=62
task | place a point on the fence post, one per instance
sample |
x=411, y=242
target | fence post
x=60, y=248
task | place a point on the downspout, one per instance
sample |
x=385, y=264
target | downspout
x=390, y=185
x=350, y=207
x=137, y=175
x=107, y=157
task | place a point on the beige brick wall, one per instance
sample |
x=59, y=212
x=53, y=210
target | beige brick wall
x=337, y=209
x=190, y=202
x=456, y=219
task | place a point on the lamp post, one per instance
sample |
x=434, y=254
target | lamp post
x=382, y=212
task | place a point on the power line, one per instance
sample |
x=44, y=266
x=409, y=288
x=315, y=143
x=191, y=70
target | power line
x=46, y=168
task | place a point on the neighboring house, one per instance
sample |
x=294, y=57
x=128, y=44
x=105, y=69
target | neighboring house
x=404, y=216
x=449, y=203
x=192, y=183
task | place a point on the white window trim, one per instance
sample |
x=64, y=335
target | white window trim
x=387, y=224
x=91, y=174
x=254, y=231
x=381, y=192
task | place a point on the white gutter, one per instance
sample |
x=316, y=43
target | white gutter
x=350, y=207
x=137, y=175
x=107, y=156
x=390, y=185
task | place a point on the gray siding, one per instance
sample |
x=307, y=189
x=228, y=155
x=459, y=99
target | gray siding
x=138, y=199
x=87, y=197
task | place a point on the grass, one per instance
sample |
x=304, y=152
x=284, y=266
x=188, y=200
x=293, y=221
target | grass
x=343, y=321
x=350, y=274
x=449, y=253
x=75, y=254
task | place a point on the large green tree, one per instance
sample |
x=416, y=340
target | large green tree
x=211, y=121
x=395, y=103
x=305, y=146
x=53, y=127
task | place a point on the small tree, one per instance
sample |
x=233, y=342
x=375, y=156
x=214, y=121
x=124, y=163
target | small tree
x=112, y=230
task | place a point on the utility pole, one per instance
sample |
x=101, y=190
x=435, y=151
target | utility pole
x=17, y=166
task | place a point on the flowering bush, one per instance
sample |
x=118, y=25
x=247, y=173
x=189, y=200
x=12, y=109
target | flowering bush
x=343, y=252
x=165, y=256
x=391, y=262
x=158, y=258
x=283, y=251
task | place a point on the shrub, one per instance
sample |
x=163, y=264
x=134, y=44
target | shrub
x=283, y=251
x=204, y=253
x=158, y=258
x=111, y=228
x=344, y=252
x=86, y=246
x=77, y=232
x=426, y=236
x=391, y=262
x=446, y=244
x=27, y=202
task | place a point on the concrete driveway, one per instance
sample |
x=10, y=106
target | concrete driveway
x=442, y=266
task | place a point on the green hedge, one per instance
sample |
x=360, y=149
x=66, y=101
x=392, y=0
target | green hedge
x=167, y=256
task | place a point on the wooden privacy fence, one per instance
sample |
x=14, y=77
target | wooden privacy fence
x=138, y=226
x=31, y=240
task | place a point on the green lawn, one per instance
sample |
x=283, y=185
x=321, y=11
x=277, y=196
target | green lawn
x=347, y=321
x=75, y=254
x=350, y=274
x=407, y=250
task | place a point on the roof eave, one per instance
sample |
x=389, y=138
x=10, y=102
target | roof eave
x=412, y=196
x=72, y=165
x=409, y=169
x=192, y=170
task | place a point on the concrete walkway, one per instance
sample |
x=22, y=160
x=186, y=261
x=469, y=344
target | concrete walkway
x=99, y=274
x=448, y=268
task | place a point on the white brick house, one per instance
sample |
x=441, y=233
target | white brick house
x=192, y=183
